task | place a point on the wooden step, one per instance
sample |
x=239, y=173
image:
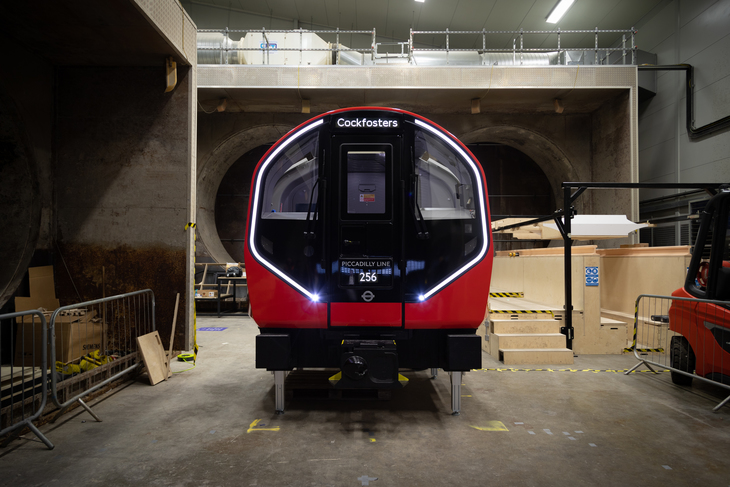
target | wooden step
x=524, y=326
x=544, y=356
x=529, y=341
x=611, y=322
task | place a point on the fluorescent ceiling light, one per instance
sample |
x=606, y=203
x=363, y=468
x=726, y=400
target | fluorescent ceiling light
x=420, y=1
x=559, y=10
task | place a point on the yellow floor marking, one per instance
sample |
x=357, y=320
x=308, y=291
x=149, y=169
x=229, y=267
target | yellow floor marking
x=466, y=395
x=372, y=440
x=254, y=427
x=491, y=426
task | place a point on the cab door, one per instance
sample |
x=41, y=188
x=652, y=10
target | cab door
x=365, y=237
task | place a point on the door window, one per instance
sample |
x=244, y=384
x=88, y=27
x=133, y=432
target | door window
x=366, y=182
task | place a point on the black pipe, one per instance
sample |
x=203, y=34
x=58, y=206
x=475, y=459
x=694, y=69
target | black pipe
x=692, y=131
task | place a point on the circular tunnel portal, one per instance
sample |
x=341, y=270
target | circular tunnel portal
x=523, y=172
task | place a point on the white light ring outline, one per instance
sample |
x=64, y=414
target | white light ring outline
x=255, y=215
x=418, y=122
x=478, y=178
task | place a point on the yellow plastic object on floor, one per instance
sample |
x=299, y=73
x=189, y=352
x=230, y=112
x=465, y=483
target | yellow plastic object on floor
x=89, y=361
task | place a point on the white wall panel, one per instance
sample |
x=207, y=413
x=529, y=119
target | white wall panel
x=704, y=30
x=712, y=102
x=715, y=171
x=661, y=160
x=703, y=41
x=669, y=88
x=695, y=154
x=658, y=127
x=645, y=194
x=657, y=29
x=690, y=9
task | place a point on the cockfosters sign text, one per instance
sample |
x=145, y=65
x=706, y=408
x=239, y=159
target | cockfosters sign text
x=366, y=123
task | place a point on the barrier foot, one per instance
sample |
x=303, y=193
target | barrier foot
x=88, y=410
x=59, y=414
x=40, y=436
x=717, y=408
x=635, y=367
x=434, y=373
x=16, y=434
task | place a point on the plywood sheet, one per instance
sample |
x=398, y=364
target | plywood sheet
x=624, y=278
x=153, y=356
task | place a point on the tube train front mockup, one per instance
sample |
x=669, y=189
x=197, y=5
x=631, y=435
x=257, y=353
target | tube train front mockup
x=368, y=248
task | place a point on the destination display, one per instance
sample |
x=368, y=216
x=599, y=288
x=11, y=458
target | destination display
x=367, y=123
x=366, y=272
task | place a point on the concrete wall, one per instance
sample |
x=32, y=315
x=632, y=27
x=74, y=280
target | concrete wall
x=593, y=146
x=95, y=174
x=560, y=145
x=26, y=139
x=97, y=163
x=122, y=182
x=695, y=32
x=222, y=139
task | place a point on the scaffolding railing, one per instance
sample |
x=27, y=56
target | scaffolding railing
x=266, y=47
x=518, y=43
x=220, y=49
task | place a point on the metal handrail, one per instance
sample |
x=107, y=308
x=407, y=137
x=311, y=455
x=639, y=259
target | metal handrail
x=44, y=380
x=521, y=33
x=628, y=36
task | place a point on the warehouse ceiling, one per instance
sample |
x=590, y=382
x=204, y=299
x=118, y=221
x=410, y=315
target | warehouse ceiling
x=392, y=19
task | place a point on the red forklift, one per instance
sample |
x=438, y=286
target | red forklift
x=703, y=341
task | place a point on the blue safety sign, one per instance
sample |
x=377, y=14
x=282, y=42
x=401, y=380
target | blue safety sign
x=592, y=276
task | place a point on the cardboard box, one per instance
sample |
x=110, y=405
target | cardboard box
x=42, y=290
x=75, y=337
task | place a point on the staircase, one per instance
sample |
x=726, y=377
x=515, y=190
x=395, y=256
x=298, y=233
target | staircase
x=529, y=336
x=528, y=341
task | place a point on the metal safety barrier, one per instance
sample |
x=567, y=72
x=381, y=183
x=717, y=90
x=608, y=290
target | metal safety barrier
x=521, y=54
x=488, y=48
x=688, y=336
x=25, y=379
x=94, y=343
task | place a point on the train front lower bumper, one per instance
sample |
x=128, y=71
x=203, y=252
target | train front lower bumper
x=368, y=358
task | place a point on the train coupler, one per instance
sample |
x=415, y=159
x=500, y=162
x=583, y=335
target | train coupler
x=368, y=364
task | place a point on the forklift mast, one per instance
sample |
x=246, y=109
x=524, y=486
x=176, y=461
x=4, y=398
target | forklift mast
x=710, y=279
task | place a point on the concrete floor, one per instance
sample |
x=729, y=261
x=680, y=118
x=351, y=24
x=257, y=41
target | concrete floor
x=516, y=428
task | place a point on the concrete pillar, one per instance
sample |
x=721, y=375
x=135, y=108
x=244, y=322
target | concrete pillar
x=123, y=186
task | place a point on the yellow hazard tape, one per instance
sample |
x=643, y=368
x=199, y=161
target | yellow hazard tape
x=595, y=371
x=507, y=295
x=651, y=350
x=522, y=312
x=633, y=343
